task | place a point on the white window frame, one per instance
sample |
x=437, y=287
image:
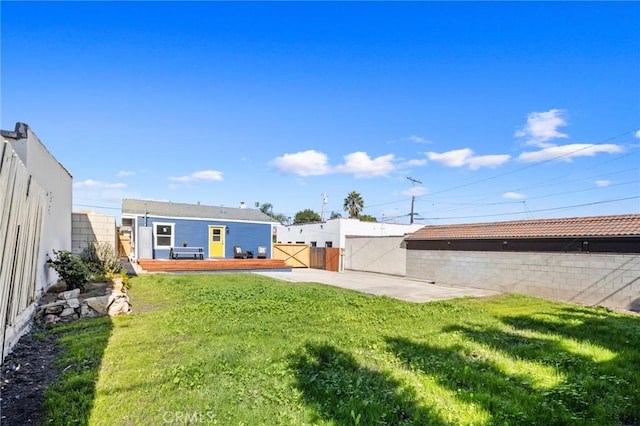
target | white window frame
x=155, y=234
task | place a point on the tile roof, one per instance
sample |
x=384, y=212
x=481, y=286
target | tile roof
x=590, y=226
x=168, y=209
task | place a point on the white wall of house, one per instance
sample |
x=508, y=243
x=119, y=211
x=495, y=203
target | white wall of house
x=57, y=182
x=336, y=231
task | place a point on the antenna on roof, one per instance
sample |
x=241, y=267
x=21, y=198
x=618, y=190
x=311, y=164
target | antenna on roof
x=325, y=200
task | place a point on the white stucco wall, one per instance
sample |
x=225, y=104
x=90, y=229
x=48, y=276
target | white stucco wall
x=336, y=231
x=57, y=182
x=384, y=255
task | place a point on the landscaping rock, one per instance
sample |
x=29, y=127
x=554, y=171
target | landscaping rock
x=98, y=304
x=118, y=303
x=67, y=312
x=71, y=294
x=51, y=319
x=53, y=309
x=87, y=312
x=73, y=303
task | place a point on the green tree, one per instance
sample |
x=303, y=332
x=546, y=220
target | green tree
x=71, y=269
x=335, y=215
x=367, y=218
x=353, y=204
x=267, y=208
x=306, y=216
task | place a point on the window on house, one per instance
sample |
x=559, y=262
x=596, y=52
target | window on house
x=163, y=235
x=328, y=244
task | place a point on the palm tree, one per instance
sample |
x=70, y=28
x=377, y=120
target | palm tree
x=267, y=208
x=353, y=204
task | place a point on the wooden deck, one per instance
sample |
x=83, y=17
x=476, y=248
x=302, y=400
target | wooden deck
x=214, y=265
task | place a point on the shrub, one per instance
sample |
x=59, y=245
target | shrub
x=102, y=259
x=71, y=269
x=121, y=275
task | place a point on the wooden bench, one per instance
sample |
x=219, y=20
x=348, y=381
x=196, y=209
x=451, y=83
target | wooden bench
x=186, y=253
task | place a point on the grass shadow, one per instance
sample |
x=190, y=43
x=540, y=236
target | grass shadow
x=611, y=382
x=69, y=400
x=508, y=398
x=615, y=332
x=344, y=392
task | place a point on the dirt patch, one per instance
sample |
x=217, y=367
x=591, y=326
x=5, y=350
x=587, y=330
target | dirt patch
x=26, y=373
x=30, y=368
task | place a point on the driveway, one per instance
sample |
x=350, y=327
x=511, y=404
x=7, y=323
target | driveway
x=379, y=284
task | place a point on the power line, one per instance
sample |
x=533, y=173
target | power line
x=534, y=164
x=533, y=198
x=98, y=207
x=538, y=210
x=546, y=183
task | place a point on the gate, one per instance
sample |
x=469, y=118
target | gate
x=294, y=255
x=327, y=258
x=332, y=259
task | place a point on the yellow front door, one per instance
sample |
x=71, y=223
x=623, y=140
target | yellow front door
x=216, y=241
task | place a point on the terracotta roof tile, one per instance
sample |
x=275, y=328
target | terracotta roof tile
x=590, y=226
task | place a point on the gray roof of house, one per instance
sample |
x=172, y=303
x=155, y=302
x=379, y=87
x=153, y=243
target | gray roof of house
x=169, y=209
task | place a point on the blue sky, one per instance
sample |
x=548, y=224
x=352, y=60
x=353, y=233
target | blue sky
x=504, y=111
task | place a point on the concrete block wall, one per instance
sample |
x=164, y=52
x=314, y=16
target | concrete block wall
x=611, y=280
x=385, y=255
x=89, y=228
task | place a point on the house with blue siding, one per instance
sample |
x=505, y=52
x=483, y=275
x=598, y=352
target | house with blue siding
x=157, y=227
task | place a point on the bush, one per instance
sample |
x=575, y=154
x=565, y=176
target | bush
x=71, y=269
x=102, y=259
x=120, y=275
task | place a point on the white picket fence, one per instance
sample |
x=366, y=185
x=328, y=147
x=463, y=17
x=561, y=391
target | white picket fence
x=22, y=210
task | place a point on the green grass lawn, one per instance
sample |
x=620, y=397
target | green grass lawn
x=242, y=349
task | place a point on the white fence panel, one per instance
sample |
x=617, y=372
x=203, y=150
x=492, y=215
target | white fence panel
x=22, y=204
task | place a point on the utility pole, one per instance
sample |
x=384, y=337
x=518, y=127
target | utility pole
x=413, y=197
x=325, y=200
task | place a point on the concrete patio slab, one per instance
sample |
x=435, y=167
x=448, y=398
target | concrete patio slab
x=379, y=284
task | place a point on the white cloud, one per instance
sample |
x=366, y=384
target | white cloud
x=362, y=166
x=208, y=175
x=203, y=175
x=603, y=183
x=414, y=163
x=418, y=139
x=416, y=191
x=491, y=161
x=638, y=134
x=124, y=173
x=542, y=127
x=305, y=163
x=314, y=163
x=94, y=192
x=455, y=158
x=514, y=195
x=466, y=157
x=568, y=152
x=94, y=185
x=413, y=139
